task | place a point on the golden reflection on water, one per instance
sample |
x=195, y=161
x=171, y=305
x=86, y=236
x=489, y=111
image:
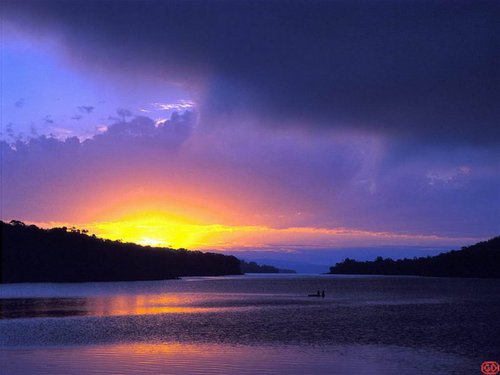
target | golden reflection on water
x=112, y=305
x=147, y=304
x=214, y=358
x=158, y=348
x=151, y=358
x=135, y=358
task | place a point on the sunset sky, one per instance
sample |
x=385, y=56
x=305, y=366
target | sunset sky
x=256, y=126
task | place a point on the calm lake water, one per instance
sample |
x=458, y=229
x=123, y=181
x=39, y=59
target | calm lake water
x=251, y=325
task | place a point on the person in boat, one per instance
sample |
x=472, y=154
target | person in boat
x=323, y=294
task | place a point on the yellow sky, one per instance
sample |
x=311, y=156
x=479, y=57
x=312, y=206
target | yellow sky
x=156, y=228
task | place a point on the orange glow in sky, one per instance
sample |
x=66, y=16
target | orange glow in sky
x=162, y=229
x=168, y=230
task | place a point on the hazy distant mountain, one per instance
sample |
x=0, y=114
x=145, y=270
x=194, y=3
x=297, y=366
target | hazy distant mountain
x=253, y=267
x=479, y=260
x=297, y=266
x=31, y=254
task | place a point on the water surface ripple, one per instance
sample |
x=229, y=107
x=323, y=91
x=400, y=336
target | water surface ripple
x=426, y=325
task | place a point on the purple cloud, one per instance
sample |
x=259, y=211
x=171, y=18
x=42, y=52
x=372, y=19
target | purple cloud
x=270, y=178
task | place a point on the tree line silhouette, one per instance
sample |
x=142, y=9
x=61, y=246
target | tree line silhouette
x=479, y=260
x=32, y=254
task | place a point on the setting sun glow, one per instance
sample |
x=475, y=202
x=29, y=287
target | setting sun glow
x=155, y=229
x=164, y=229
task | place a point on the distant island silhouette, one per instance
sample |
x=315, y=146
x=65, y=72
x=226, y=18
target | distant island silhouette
x=252, y=267
x=32, y=254
x=479, y=260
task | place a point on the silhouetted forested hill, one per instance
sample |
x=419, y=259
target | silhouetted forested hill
x=479, y=260
x=31, y=254
x=252, y=267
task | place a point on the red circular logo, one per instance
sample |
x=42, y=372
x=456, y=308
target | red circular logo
x=490, y=368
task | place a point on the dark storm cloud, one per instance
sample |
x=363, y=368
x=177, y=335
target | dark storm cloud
x=424, y=69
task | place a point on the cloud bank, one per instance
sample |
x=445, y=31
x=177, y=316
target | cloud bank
x=420, y=70
x=234, y=176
